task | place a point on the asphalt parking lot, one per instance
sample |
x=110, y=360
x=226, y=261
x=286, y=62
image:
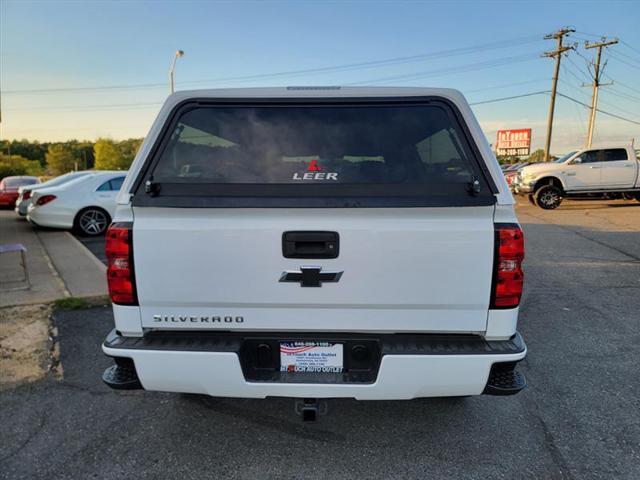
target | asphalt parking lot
x=578, y=418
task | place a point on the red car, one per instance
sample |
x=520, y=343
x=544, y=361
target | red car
x=9, y=188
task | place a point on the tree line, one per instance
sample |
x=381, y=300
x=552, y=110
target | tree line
x=24, y=157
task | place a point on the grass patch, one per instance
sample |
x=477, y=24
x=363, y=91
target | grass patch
x=71, y=303
x=75, y=303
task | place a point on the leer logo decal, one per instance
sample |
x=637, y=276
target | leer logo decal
x=314, y=172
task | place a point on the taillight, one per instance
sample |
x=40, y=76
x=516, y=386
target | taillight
x=120, y=275
x=43, y=200
x=26, y=195
x=508, y=276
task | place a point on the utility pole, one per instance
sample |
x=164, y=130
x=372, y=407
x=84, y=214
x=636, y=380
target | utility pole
x=557, y=54
x=596, y=81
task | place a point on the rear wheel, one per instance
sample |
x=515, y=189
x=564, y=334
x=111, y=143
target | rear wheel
x=548, y=197
x=91, y=222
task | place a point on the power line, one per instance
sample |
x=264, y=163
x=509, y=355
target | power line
x=583, y=57
x=624, y=95
x=588, y=34
x=571, y=72
x=629, y=46
x=393, y=61
x=586, y=73
x=158, y=104
x=599, y=110
x=618, y=59
x=126, y=106
x=622, y=54
x=574, y=86
x=329, y=69
x=448, y=70
x=138, y=86
x=122, y=106
x=506, y=85
x=494, y=100
x=611, y=105
x=511, y=97
x=617, y=82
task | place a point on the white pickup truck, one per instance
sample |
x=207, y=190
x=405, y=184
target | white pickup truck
x=611, y=169
x=313, y=243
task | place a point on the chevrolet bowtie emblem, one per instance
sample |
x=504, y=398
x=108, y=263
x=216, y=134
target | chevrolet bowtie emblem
x=310, y=276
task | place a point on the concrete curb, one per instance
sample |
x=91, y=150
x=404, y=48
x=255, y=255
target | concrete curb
x=83, y=274
x=98, y=263
x=59, y=265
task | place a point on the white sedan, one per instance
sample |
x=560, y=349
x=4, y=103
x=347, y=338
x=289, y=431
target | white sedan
x=85, y=204
x=24, y=193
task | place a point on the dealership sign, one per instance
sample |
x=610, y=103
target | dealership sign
x=514, y=142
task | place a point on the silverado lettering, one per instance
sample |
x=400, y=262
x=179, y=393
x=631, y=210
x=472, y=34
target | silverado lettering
x=197, y=319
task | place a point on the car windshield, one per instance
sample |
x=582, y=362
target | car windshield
x=565, y=157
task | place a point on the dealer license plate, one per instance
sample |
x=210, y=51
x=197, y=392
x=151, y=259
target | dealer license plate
x=311, y=357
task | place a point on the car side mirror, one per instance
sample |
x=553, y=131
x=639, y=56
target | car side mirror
x=576, y=161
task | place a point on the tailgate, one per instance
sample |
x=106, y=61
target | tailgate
x=421, y=269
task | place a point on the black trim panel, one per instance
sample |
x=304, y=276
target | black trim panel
x=312, y=202
x=391, y=343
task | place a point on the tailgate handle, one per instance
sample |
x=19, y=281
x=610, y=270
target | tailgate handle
x=310, y=244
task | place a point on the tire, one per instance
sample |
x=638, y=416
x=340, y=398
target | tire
x=548, y=197
x=91, y=222
x=531, y=199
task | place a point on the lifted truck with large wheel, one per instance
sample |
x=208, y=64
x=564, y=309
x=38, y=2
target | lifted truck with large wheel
x=612, y=170
x=314, y=243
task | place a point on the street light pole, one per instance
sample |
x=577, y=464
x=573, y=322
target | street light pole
x=179, y=53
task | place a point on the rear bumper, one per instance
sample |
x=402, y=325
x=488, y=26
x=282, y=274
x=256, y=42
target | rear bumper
x=48, y=217
x=409, y=366
x=21, y=208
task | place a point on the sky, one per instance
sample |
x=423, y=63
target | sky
x=90, y=69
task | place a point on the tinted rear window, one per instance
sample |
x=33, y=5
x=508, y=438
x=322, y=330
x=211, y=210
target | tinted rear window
x=339, y=153
x=311, y=145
